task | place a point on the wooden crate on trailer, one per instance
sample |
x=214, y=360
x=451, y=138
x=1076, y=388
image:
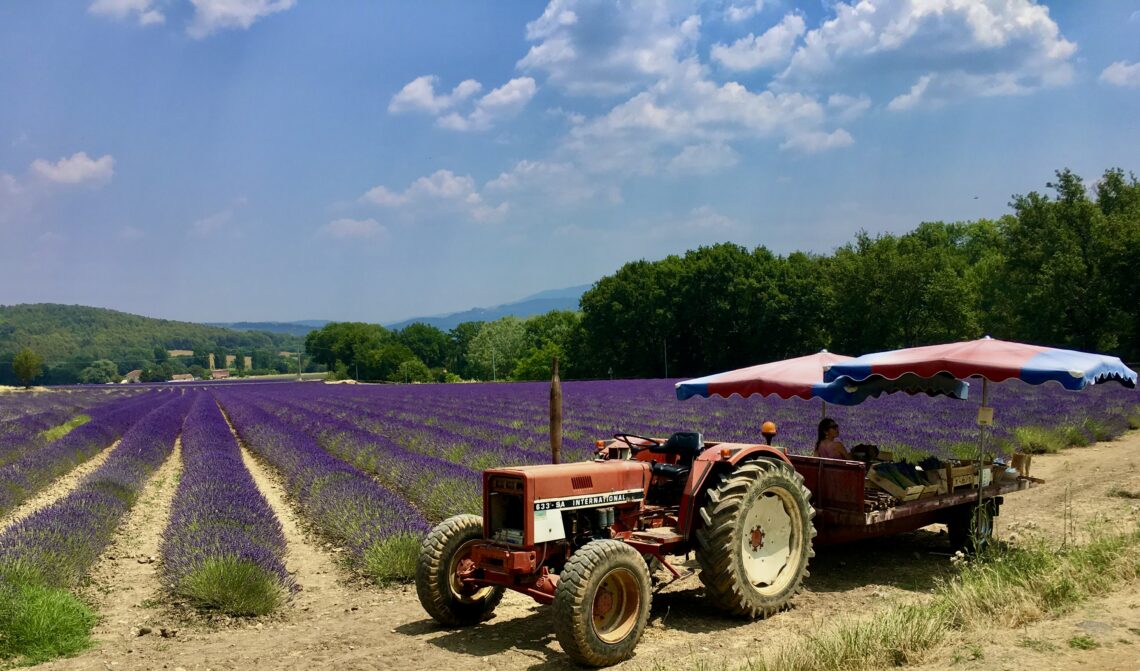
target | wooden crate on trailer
x=961, y=476
x=887, y=485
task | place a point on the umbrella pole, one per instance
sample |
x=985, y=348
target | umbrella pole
x=978, y=514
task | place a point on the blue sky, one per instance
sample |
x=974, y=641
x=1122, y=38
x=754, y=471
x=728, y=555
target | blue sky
x=290, y=159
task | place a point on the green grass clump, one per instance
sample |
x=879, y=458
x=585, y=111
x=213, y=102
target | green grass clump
x=1082, y=642
x=1010, y=588
x=40, y=623
x=57, y=432
x=392, y=559
x=1121, y=493
x=1038, y=440
x=232, y=586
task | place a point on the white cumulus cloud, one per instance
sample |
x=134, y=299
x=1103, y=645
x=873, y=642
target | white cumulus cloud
x=1122, y=73
x=419, y=95
x=213, y=15
x=599, y=47
x=352, y=229
x=848, y=108
x=79, y=168
x=443, y=190
x=936, y=51
x=737, y=13
x=501, y=103
x=752, y=52
x=561, y=182
x=812, y=142
x=702, y=159
x=144, y=11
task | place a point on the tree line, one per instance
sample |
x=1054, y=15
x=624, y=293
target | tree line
x=1057, y=270
x=84, y=344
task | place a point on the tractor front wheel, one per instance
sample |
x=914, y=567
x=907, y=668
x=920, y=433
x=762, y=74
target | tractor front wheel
x=444, y=555
x=757, y=538
x=602, y=603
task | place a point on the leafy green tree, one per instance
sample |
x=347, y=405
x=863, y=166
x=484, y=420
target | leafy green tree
x=28, y=366
x=100, y=372
x=625, y=315
x=458, y=348
x=1059, y=252
x=383, y=362
x=412, y=370
x=900, y=292
x=537, y=363
x=497, y=348
x=345, y=342
x=427, y=342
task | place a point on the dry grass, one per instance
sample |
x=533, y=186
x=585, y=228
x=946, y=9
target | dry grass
x=1007, y=588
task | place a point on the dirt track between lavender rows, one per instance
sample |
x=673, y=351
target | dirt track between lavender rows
x=337, y=621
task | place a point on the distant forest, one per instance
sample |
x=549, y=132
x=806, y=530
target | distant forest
x=1059, y=269
x=70, y=338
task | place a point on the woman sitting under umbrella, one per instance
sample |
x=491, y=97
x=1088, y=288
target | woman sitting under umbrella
x=828, y=445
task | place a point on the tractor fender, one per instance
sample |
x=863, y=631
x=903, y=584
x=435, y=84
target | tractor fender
x=719, y=458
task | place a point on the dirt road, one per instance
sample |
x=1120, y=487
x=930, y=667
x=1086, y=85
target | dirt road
x=338, y=622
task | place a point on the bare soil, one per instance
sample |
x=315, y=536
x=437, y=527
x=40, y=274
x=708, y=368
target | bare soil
x=339, y=622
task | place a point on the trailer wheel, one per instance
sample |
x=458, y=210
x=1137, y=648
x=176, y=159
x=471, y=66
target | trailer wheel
x=969, y=532
x=757, y=538
x=445, y=552
x=602, y=603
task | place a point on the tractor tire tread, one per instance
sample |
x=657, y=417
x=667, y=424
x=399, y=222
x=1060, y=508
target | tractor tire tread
x=572, y=607
x=435, y=599
x=716, y=541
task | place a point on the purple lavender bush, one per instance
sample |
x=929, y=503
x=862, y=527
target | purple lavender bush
x=440, y=488
x=379, y=529
x=35, y=469
x=223, y=547
x=56, y=545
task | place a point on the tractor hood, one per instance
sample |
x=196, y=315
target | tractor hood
x=567, y=483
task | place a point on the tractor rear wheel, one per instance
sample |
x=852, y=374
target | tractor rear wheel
x=602, y=603
x=444, y=554
x=757, y=538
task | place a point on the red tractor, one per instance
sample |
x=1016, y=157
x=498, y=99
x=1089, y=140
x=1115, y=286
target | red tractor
x=587, y=537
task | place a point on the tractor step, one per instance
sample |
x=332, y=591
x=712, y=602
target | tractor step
x=658, y=536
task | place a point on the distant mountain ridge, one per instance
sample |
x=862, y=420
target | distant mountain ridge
x=535, y=304
x=299, y=328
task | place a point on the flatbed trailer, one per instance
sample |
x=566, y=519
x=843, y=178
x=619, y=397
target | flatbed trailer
x=838, y=489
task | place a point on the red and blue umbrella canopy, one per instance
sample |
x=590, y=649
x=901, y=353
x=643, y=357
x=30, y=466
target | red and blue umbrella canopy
x=802, y=377
x=994, y=360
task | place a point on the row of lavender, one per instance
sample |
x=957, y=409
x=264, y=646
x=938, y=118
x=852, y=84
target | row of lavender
x=378, y=528
x=223, y=546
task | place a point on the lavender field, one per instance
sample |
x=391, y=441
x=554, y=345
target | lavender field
x=371, y=468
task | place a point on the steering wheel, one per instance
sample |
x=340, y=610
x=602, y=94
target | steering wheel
x=643, y=443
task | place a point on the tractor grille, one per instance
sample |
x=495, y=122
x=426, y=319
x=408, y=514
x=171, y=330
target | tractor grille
x=582, y=482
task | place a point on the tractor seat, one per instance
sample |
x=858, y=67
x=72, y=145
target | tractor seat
x=671, y=471
x=685, y=444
